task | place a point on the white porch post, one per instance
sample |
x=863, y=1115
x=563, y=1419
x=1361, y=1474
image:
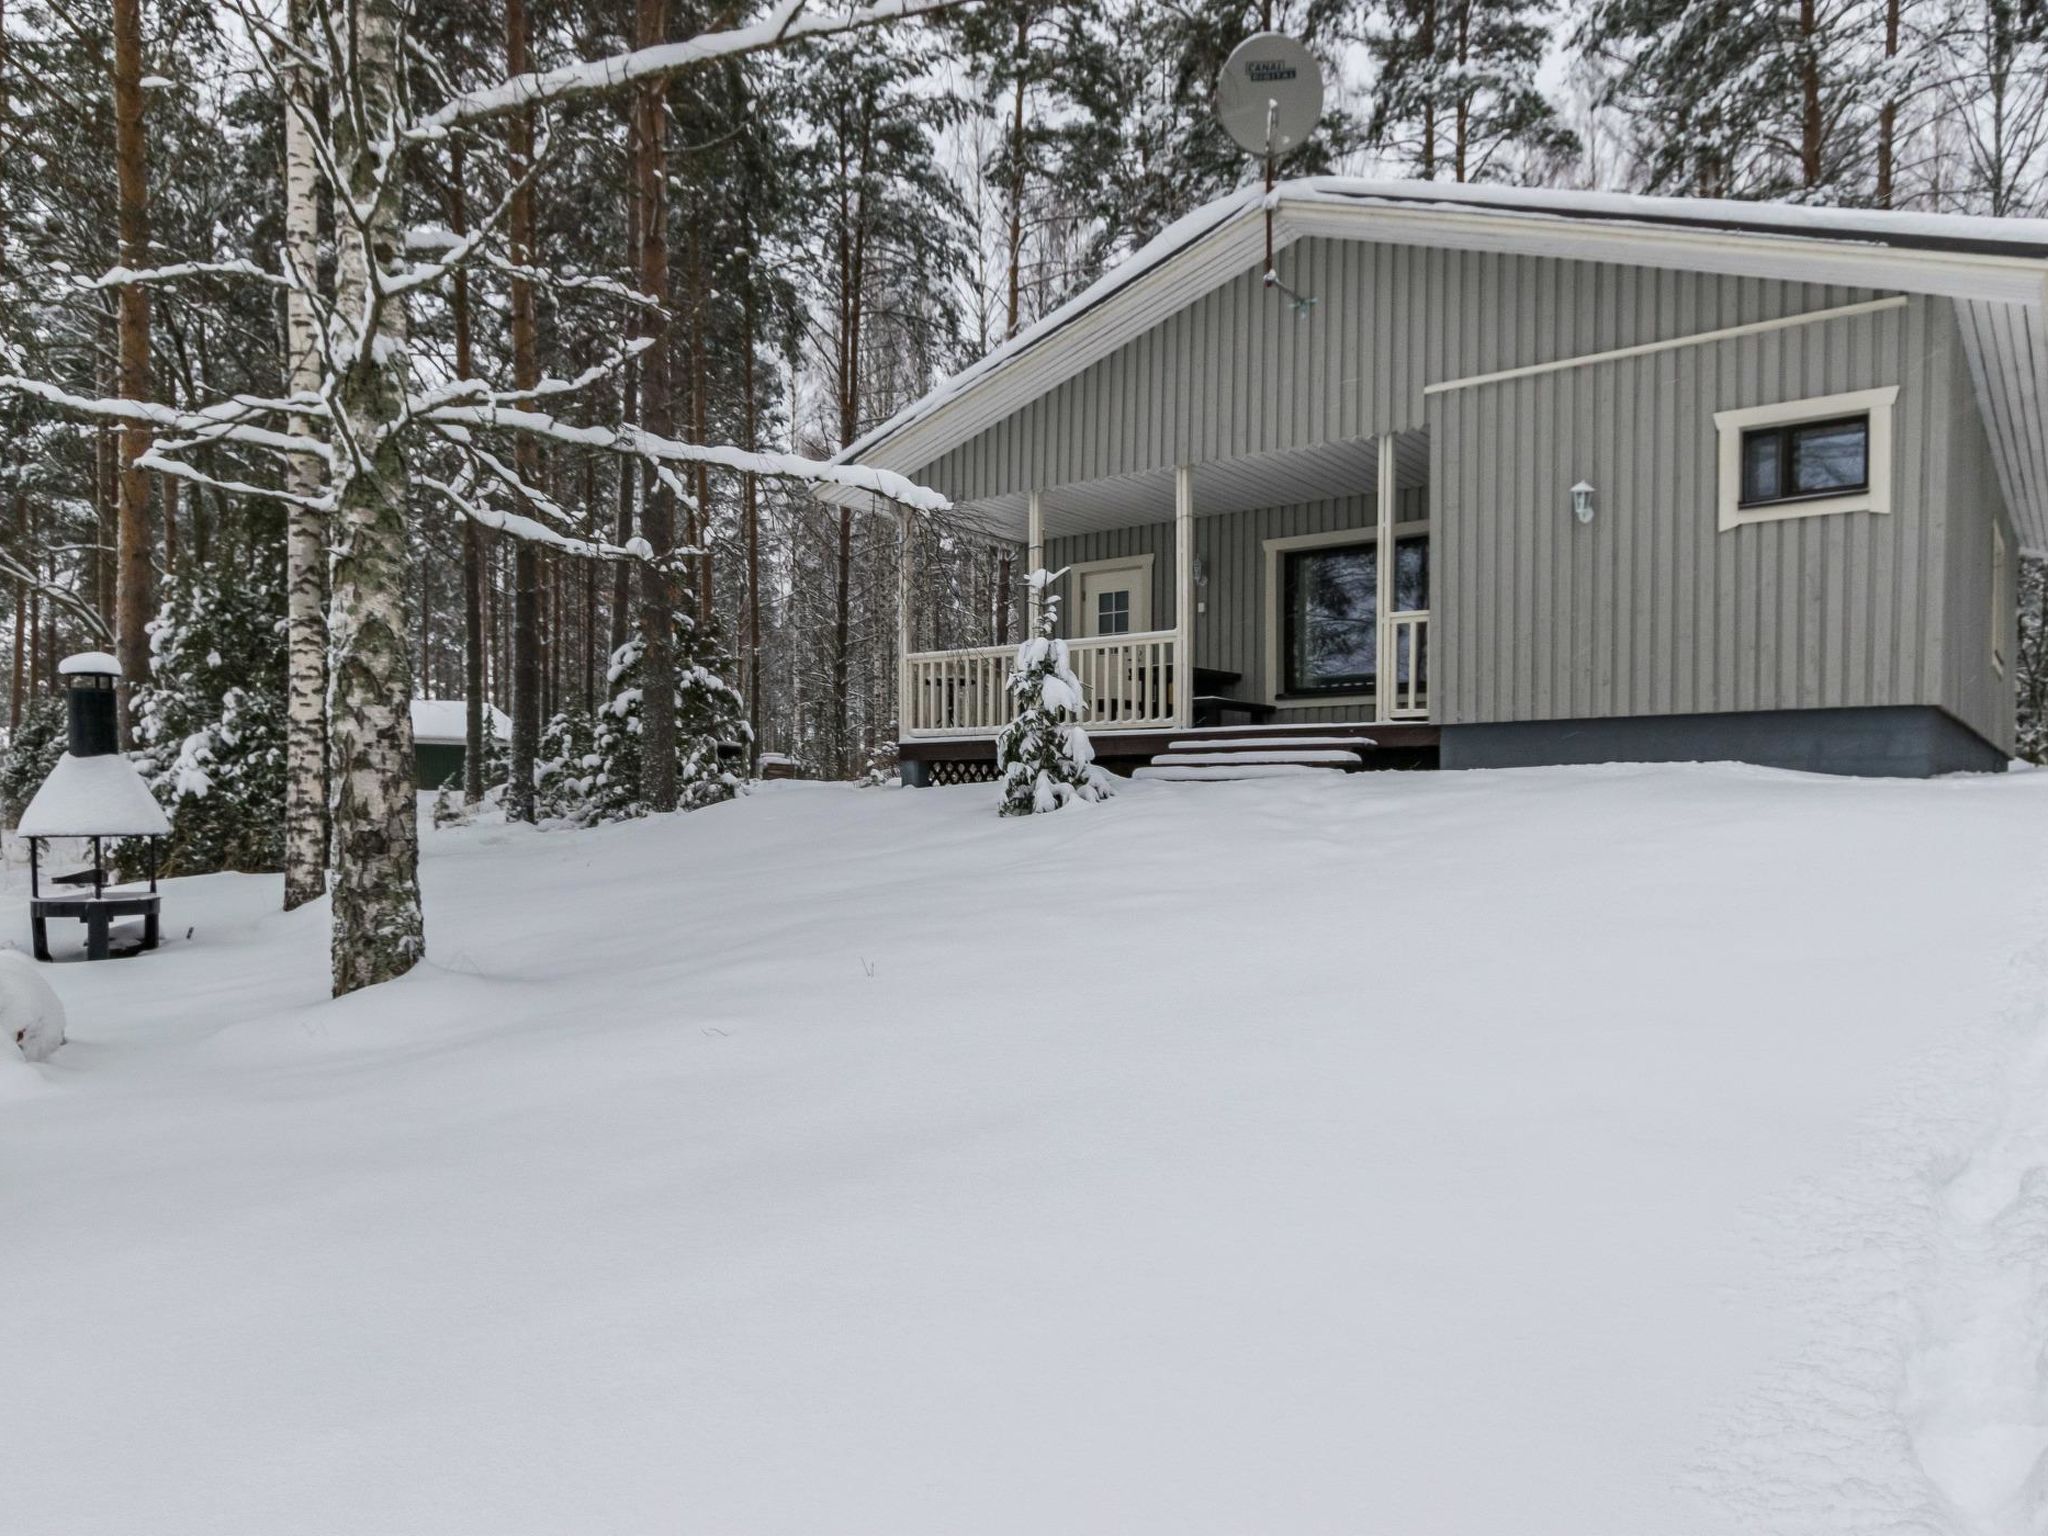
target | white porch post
x=1034, y=560
x=906, y=716
x=1184, y=595
x=1384, y=685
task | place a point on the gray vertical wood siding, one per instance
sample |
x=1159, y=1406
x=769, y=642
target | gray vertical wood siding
x=1651, y=609
x=1238, y=372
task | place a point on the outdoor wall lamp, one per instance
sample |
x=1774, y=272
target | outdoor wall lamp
x=1582, y=502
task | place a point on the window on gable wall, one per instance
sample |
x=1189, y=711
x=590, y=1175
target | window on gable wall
x=2002, y=598
x=1806, y=458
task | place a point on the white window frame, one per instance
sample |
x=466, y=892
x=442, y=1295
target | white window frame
x=1877, y=404
x=2003, y=598
x=1275, y=550
x=1142, y=588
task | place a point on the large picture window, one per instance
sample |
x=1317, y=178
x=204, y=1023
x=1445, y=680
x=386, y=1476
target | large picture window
x=1330, y=622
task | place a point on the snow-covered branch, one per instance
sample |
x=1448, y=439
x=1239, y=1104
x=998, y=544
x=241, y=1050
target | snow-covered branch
x=227, y=421
x=462, y=497
x=123, y=277
x=884, y=483
x=786, y=23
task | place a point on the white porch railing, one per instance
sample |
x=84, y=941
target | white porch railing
x=1127, y=680
x=1408, y=646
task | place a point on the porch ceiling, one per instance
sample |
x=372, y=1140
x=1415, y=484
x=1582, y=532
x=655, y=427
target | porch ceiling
x=1317, y=473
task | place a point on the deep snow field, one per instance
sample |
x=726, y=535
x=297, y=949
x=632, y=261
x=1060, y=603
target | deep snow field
x=1591, y=1152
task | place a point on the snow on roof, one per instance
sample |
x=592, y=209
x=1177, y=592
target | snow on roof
x=89, y=662
x=101, y=796
x=1996, y=269
x=445, y=722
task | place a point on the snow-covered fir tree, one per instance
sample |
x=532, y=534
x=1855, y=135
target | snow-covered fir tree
x=33, y=748
x=210, y=723
x=1044, y=756
x=710, y=713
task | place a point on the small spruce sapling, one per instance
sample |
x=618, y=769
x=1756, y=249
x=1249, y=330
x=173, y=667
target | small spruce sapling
x=1044, y=756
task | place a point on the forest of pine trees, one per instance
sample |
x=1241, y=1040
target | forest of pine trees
x=222, y=220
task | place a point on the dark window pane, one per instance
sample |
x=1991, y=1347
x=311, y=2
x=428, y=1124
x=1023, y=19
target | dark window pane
x=1760, y=478
x=1113, y=613
x=1332, y=618
x=1411, y=574
x=1834, y=456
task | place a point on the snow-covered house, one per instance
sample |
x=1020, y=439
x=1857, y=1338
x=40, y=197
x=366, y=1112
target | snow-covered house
x=1494, y=476
x=440, y=734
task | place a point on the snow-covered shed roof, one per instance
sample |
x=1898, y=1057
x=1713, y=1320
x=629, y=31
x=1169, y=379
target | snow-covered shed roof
x=101, y=796
x=445, y=722
x=89, y=663
x=1995, y=269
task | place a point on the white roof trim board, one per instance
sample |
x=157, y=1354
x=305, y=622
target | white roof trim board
x=1997, y=270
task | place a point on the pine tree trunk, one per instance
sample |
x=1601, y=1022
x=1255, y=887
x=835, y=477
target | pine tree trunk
x=526, y=593
x=750, y=513
x=629, y=410
x=475, y=552
x=1810, y=123
x=21, y=619
x=133, y=570
x=1016, y=221
x=305, y=802
x=378, y=930
x=1888, y=115
x=657, y=506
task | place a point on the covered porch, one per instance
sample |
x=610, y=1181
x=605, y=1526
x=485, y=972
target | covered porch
x=1282, y=591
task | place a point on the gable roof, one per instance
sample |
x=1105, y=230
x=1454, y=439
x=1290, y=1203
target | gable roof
x=1996, y=270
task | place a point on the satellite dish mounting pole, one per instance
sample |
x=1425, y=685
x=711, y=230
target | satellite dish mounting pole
x=1269, y=99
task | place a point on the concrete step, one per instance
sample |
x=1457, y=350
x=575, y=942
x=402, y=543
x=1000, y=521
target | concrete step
x=1184, y=773
x=1314, y=758
x=1233, y=743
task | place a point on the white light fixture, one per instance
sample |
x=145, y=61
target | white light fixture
x=1582, y=502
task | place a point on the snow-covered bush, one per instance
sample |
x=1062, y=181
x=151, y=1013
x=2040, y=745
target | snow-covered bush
x=31, y=1014
x=2031, y=675
x=210, y=723
x=1044, y=756
x=601, y=780
x=569, y=771
x=33, y=748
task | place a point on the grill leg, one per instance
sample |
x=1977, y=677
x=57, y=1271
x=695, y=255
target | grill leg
x=149, y=929
x=96, y=934
x=39, y=928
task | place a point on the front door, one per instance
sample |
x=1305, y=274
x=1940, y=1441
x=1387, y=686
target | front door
x=1115, y=600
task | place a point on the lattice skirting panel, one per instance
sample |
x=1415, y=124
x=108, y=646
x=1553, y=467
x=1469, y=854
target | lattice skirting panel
x=982, y=772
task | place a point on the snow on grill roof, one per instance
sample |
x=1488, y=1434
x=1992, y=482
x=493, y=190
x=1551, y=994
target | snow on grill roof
x=445, y=722
x=99, y=796
x=1996, y=270
x=88, y=662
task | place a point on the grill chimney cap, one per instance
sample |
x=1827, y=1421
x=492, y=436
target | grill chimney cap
x=89, y=664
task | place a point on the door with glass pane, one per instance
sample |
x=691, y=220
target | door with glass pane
x=1115, y=600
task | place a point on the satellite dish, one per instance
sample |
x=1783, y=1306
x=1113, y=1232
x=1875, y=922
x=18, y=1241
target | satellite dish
x=1270, y=96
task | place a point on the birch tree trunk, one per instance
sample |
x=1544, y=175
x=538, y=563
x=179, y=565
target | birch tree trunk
x=378, y=931
x=132, y=558
x=305, y=793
